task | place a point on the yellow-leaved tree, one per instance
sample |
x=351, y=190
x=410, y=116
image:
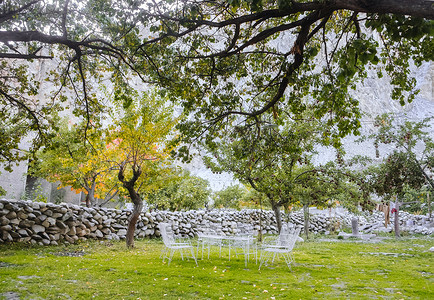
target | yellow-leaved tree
x=138, y=146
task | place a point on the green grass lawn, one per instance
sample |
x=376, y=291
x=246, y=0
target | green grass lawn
x=322, y=270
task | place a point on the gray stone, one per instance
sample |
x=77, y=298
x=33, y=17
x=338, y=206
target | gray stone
x=67, y=216
x=113, y=236
x=61, y=225
x=106, y=231
x=4, y=220
x=69, y=239
x=99, y=234
x=48, y=213
x=44, y=235
x=22, y=215
x=6, y=237
x=36, y=237
x=14, y=221
x=57, y=215
x=72, y=231
x=11, y=215
x=38, y=228
x=122, y=232
x=50, y=221
x=6, y=228
x=26, y=223
x=23, y=232
x=355, y=226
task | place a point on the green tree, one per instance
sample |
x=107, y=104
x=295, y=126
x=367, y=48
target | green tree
x=417, y=200
x=411, y=163
x=181, y=191
x=326, y=186
x=230, y=197
x=392, y=176
x=267, y=157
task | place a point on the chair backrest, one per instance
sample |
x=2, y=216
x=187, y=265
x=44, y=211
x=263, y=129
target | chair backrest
x=167, y=235
x=288, y=240
x=246, y=229
x=288, y=228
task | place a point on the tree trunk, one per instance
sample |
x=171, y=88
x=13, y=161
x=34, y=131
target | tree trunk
x=90, y=196
x=87, y=200
x=397, y=233
x=135, y=198
x=306, y=220
x=132, y=221
x=276, y=209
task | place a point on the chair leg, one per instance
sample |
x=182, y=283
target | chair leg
x=172, y=251
x=288, y=260
x=164, y=253
x=263, y=259
x=194, y=257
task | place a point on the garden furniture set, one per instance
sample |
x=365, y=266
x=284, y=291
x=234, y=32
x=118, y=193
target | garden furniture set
x=244, y=242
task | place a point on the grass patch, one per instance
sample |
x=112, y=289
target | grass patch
x=107, y=270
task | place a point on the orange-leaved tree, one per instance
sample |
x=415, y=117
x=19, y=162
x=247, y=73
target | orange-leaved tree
x=73, y=158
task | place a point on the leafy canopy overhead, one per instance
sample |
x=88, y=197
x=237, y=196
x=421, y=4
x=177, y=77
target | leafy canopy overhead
x=240, y=60
x=223, y=61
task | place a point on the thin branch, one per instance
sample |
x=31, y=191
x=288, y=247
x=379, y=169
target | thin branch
x=11, y=14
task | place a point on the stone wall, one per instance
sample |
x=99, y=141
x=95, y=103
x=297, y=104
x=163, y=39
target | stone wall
x=47, y=223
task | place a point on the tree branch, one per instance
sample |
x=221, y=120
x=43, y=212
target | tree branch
x=12, y=13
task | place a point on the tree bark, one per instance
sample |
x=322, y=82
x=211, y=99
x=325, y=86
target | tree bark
x=135, y=198
x=132, y=221
x=416, y=8
x=277, y=214
x=87, y=200
x=306, y=220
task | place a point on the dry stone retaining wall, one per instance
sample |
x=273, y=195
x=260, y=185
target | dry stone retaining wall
x=47, y=223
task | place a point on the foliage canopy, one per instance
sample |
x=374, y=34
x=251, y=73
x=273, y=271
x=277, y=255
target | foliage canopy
x=223, y=61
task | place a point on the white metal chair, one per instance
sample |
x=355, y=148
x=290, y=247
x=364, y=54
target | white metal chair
x=282, y=245
x=171, y=244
